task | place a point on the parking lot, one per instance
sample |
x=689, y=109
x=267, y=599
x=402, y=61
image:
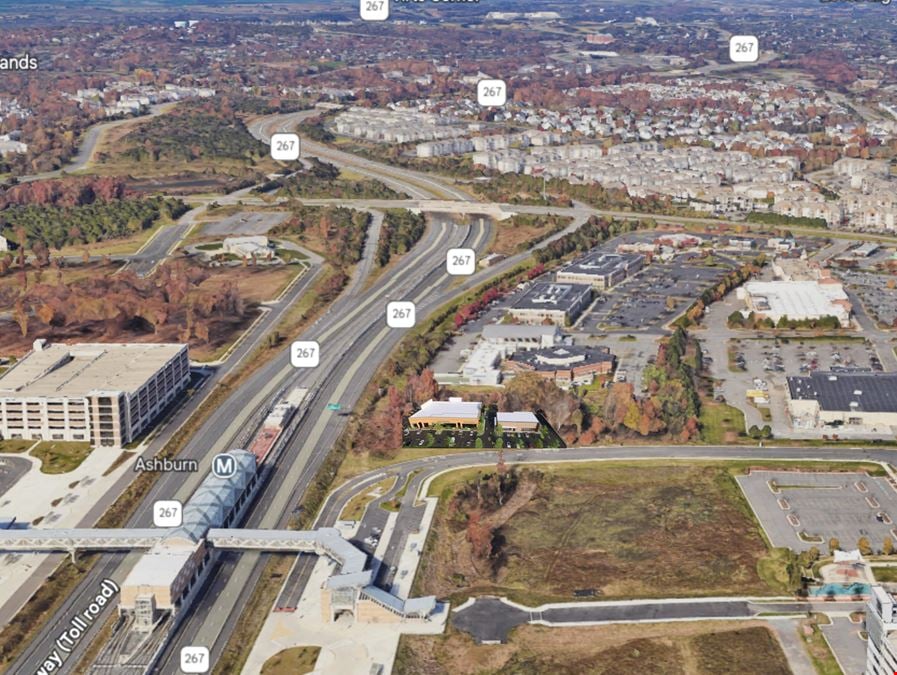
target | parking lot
x=657, y=294
x=801, y=509
x=871, y=288
x=794, y=356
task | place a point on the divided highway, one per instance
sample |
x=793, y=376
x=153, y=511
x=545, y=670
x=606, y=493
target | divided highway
x=354, y=340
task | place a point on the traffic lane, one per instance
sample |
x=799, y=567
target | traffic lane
x=382, y=348
x=225, y=412
x=166, y=486
x=162, y=490
x=245, y=571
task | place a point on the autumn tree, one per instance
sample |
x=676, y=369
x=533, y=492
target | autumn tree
x=864, y=546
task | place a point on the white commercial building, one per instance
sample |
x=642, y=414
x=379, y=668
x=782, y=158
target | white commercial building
x=512, y=338
x=247, y=247
x=105, y=394
x=881, y=625
x=4, y=243
x=454, y=412
x=796, y=300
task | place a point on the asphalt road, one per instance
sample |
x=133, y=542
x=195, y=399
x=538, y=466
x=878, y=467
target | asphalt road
x=414, y=183
x=215, y=614
x=242, y=410
x=411, y=514
x=89, y=144
x=490, y=619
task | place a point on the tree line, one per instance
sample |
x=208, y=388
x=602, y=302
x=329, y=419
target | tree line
x=400, y=231
x=59, y=226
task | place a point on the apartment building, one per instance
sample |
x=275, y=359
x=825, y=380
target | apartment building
x=104, y=394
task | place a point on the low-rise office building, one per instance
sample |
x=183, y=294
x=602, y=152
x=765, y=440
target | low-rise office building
x=455, y=412
x=105, y=394
x=565, y=365
x=844, y=399
x=498, y=341
x=517, y=422
x=602, y=270
x=512, y=338
x=552, y=303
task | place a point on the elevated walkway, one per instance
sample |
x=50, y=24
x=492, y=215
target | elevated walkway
x=79, y=539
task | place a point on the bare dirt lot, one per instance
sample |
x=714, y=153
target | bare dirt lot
x=672, y=648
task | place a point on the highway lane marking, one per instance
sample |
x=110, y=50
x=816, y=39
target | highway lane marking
x=392, y=282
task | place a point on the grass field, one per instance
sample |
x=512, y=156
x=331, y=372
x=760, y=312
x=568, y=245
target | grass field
x=60, y=456
x=15, y=445
x=817, y=646
x=672, y=649
x=885, y=574
x=650, y=530
x=294, y=661
x=720, y=423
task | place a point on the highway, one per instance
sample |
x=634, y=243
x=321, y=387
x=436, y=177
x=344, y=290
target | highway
x=232, y=422
x=414, y=183
x=367, y=344
x=354, y=341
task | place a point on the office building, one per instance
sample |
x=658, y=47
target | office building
x=105, y=394
x=552, y=303
x=517, y=422
x=602, y=270
x=565, y=365
x=453, y=413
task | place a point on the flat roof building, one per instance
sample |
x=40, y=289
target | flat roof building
x=105, y=394
x=522, y=337
x=836, y=399
x=455, y=412
x=797, y=300
x=549, y=302
x=881, y=625
x=517, y=422
x=564, y=364
x=602, y=270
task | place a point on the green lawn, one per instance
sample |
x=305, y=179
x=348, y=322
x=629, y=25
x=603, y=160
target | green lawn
x=355, y=509
x=817, y=647
x=60, y=456
x=294, y=661
x=885, y=574
x=15, y=445
x=720, y=423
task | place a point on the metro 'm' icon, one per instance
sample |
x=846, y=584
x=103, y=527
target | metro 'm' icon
x=224, y=466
